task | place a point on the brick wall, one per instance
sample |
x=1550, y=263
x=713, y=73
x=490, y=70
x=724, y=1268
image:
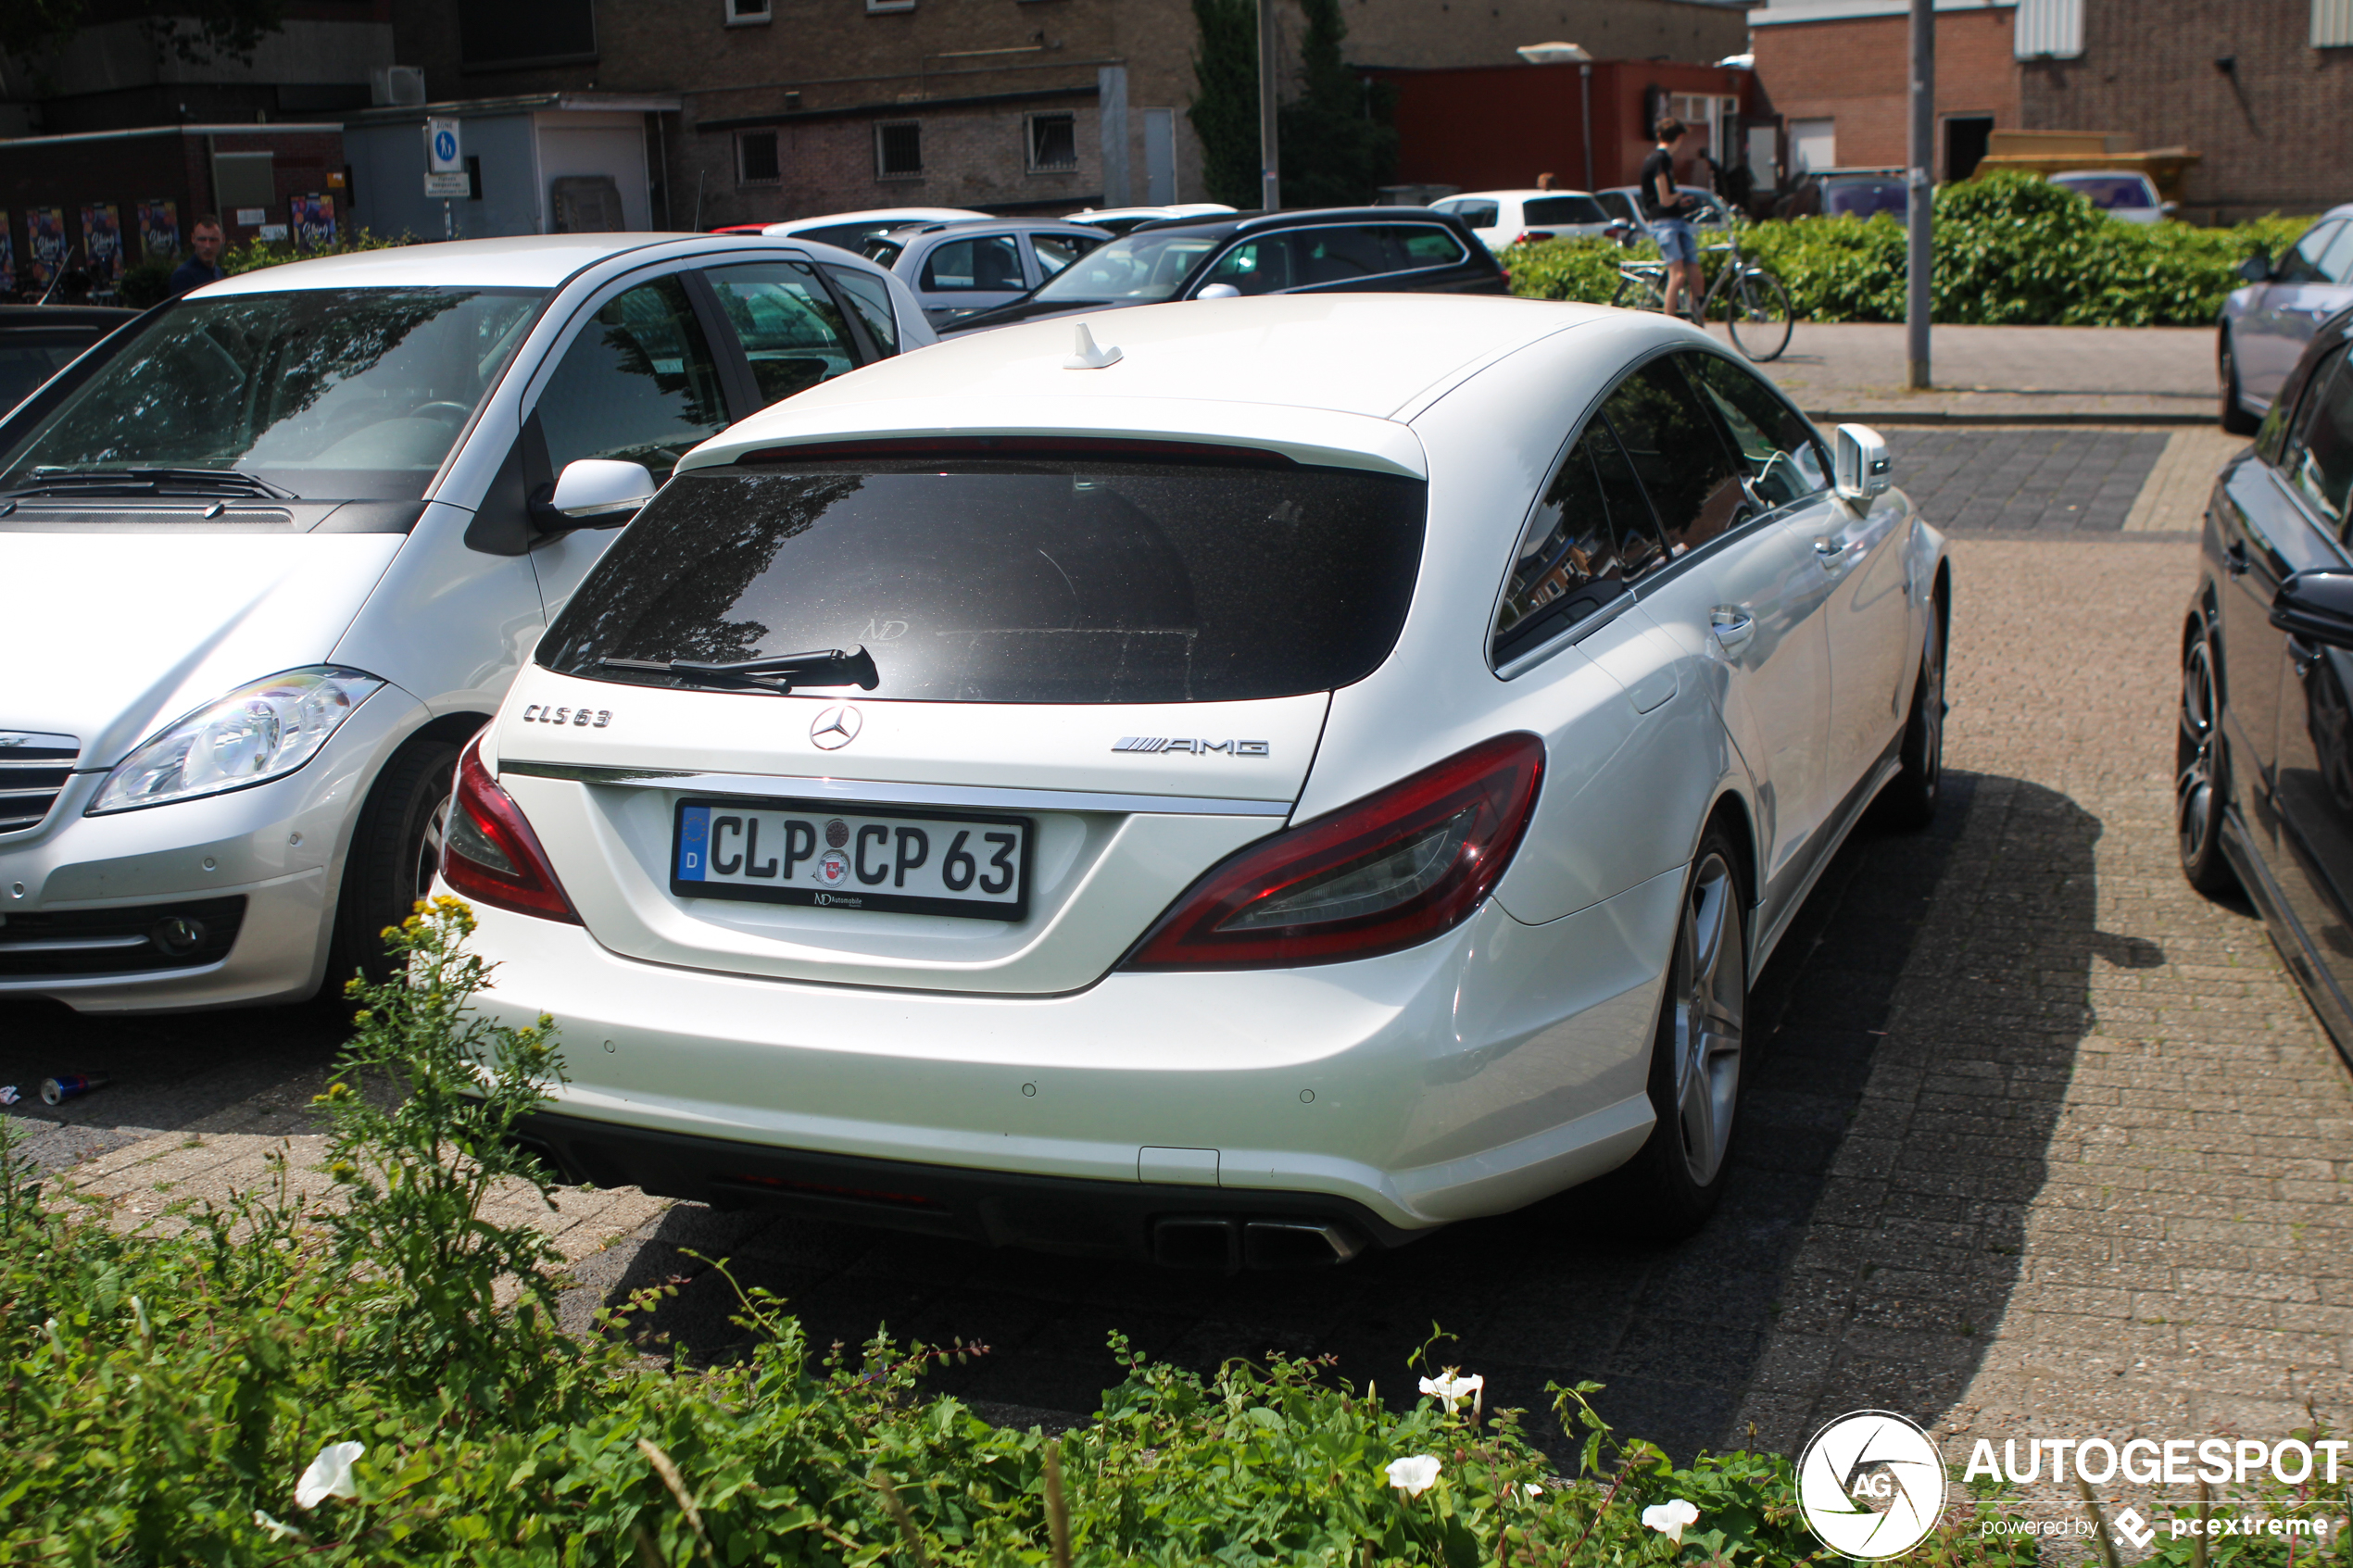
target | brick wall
x=1856, y=72
x=2271, y=134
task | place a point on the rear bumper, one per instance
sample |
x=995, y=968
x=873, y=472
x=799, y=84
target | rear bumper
x=1181, y=1226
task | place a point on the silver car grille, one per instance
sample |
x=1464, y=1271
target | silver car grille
x=34, y=770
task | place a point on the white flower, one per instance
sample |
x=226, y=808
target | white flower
x=329, y=1475
x=1670, y=1519
x=1413, y=1476
x=278, y=1531
x=1451, y=1389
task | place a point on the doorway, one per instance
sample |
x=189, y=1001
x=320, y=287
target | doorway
x=1966, y=137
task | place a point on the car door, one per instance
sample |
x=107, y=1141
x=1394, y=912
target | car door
x=792, y=332
x=2269, y=338
x=1051, y=250
x=638, y=382
x=967, y=273
x=2313, y=775
x=1743, y=597
x=1858, y=548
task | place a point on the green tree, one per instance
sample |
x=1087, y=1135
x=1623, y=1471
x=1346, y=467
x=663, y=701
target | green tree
x=1225, y=110
x=198, y=31
x=1335, y=151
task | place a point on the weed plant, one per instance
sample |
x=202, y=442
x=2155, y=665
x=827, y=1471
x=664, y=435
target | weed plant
x=331, y=1382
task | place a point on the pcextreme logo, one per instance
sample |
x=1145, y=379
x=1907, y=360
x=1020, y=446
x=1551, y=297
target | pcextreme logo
x=1871, y=1484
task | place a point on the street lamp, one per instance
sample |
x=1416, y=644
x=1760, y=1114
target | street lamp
x=1562, y=54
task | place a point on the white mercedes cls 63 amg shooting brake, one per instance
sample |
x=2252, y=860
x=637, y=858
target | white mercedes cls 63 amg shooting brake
x=1257, y=781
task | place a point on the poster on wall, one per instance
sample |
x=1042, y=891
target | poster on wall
x=102, y=244
x=45, y=248
x=314, y=222
x=7, y=257
x=159, y=230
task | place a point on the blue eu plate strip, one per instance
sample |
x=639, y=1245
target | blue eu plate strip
x=693, y=838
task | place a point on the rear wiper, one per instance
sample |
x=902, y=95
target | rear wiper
x=148, y=482
x=779, y=673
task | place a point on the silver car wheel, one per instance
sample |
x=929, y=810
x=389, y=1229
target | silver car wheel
x=1711, y=992
x=2194, y=781
x=428, y=850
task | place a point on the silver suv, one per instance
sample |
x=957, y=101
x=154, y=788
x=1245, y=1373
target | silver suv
x=958, y=270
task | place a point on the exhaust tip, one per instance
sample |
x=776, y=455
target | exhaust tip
x=1198, y=1243
x=1298, y=1244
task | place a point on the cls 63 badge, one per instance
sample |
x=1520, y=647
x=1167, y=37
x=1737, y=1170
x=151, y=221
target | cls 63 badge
x=580, y=717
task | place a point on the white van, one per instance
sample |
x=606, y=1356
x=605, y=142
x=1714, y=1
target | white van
x=269, y=557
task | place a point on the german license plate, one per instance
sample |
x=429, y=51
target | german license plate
x=852, y=857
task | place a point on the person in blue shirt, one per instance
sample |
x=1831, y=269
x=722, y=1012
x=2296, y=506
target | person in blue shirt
x=203, y=267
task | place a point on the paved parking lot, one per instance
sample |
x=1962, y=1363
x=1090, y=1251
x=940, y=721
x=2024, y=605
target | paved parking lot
x=2032, y=1128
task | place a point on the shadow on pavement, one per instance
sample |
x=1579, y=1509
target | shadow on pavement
x=1693, y=1342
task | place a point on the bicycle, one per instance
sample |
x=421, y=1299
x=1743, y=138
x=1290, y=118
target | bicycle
x=1755, y=304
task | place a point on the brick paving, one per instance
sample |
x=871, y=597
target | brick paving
x=2037, y=1141
x=1858, y=369
x=2032, y=480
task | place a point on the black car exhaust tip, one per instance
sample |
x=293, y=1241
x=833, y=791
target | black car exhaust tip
x=1230, y=1246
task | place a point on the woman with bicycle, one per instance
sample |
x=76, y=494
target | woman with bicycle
x=1663, y=205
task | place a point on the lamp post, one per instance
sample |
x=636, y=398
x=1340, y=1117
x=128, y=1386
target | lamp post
x=1270, y=168
x=1569, y=54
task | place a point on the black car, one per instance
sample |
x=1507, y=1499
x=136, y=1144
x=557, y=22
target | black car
x=37, y=341
x=1354, y=250
x=2264, y=759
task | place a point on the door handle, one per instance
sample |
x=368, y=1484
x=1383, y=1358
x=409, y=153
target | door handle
x=1733, y=626
x=2234, y=559
x=1831, y=553
x=2304, y=656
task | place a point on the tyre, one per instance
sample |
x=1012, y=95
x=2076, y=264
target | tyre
x=1758, y=315
x=1670, y=1188
x=2200, y=766
x=395, y=852
x=1910, y=799
x=2236, y=421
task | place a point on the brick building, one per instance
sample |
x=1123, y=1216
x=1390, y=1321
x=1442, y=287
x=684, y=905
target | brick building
x=1838, y=72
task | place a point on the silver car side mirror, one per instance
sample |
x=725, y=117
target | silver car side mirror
x=599, y=489
x=1859, y=465
x=1219, y=291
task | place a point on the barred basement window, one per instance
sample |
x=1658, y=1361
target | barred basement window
x=1053, y=142
x=756, y=161
x=748, y=13
x=898, y=150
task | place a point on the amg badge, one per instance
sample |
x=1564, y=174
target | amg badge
x=1198, y=747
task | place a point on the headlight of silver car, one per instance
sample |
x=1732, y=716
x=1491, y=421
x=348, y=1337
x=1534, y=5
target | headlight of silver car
x=258, y=733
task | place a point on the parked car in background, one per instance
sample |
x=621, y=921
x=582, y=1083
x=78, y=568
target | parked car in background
x=1119, y=219
x=959, y=269
x=283, y=543
x=1387, y=249
x=2267, y=323
x=37, y=341
x=1325, y=772
x=851, y=230
x=1503, y=218
x=1862, y=192
x=2120, y=194
x=1623, y=204
x=2263, y=765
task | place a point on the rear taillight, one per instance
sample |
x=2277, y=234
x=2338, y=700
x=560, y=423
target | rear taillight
x=490, y=854
x=1537, y=236
x=1393, y=870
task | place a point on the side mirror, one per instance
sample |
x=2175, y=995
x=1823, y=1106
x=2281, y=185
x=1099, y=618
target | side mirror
x=2256, y=268
x=598, y=490
x=2317, y=606
x=1219, y=291
x=2167, y=209
x=1859, y=463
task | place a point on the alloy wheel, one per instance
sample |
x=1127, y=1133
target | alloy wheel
x=2193, y=772
x=1711, y=993
x=428, y=850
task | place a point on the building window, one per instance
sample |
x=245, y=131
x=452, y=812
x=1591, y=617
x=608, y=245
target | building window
x=756, y=158
x=521, y=32
x=874, y=5
x=1813, y=144
x=898, y=150
x=2053, y=30
x=748, y=13
x=1053, y=142
x=2332, y=24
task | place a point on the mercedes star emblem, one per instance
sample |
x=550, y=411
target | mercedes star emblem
x=835, y=727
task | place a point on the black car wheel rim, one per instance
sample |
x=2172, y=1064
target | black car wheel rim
x=2194, y=781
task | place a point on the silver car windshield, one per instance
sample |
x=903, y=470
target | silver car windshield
x=351, y=394
x=1141, y=267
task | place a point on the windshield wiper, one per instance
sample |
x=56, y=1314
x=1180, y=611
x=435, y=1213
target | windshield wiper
x=148, y=482
x=777, y=674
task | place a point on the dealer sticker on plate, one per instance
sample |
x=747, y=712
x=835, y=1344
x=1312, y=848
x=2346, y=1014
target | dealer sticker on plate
x=806, y=852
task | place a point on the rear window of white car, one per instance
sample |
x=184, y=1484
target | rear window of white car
x=1061, y=578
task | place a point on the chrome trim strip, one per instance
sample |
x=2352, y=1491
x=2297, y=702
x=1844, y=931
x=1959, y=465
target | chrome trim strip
x=880, y=793
x=72, y=944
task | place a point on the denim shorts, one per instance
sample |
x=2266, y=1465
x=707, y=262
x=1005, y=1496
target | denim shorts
x=1676, y=241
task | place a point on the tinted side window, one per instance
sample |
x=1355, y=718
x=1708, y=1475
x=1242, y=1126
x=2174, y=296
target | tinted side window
x=1054, y=252
x=1784, y=463
x=1416, y=246
x=2302, y=263
x=639, y=383
x=1672, y=442
x=2320, y=461
x=1617, y=205
x=989, y=262
x=2336, y=266
x=791, y=330
x=1478, y=215
x=1256, y=265
x=1591, y=536
x=871, y=299
x=2281, y=418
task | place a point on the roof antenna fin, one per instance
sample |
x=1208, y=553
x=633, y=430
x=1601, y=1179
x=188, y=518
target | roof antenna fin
x=1090, y=356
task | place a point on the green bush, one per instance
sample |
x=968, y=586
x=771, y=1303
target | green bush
x=255, y=253
x=149, y=283
x=2010, y=250
x=166, y=1400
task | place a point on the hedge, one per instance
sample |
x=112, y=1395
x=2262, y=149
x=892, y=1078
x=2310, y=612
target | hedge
x=2010, y=250
x=286, y=1382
